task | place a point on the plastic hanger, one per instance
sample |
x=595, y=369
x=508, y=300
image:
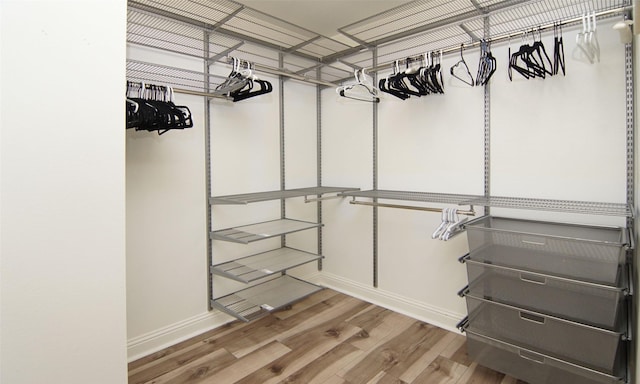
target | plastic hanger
x=581, y=40
x=443, y=225
x=558, y=50
x=362, y=90
x=466, y=78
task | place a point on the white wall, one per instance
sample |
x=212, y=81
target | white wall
x=559, y=138
x=166, y=225
x=62, y=278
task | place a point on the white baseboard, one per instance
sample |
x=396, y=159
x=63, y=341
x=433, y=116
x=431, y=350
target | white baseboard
x=154, y=341
x=159, y=339
x=406, y=306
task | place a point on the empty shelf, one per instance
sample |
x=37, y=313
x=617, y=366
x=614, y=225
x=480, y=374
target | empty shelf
x=567, y=206
x=247, y=198
x=261, y=299
x=444, y=198
x=254, y=232
x=251, y=268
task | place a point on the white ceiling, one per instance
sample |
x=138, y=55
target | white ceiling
x=323, y=17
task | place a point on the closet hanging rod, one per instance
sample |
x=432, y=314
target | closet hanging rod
x=470, y=212
x=272, y=71
x=503, y=37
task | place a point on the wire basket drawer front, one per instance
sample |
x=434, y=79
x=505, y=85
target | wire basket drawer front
x=597, y=305
x=529, y=366
x=588, y=253
x=584, y=345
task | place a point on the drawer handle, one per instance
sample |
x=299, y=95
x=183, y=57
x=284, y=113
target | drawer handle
x=538, y=243
x=532, y=318
x=532, y=357
x=533, y=279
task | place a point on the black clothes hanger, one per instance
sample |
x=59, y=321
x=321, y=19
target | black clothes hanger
x=465, y=78
x=153, y=110
x=532, y=61
x=487, y=64
x=558, y=50
x=422, y=80
x=248, y=92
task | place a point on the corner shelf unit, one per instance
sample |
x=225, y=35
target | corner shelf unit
x=262, y=298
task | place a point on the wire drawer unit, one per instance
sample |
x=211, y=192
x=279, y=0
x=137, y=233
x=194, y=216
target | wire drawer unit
x=548, y=302
x=581, y=252
x=530, y=366
x=593, y=304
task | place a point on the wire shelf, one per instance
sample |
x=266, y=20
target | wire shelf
x=190, y=19
x=255, y=232
x=427, y=197
x=164, y=75
x=247, y=198
x=261, y=299
x=255, y=267
x=566, y=206
x=508, y=16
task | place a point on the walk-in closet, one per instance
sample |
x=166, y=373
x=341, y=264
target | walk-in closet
x=401, y=191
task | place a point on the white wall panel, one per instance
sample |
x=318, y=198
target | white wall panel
x=166, y=227
x=347, y=147
x=63, y=308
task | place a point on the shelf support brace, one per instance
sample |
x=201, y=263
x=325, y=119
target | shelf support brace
x=224, y=53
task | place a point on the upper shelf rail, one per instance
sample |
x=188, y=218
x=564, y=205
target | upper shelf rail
x=247, y=198
x=566, y=206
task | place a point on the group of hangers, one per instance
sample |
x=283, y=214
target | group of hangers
x=532, y=61
x=487, y=66
x=450, y=226
x=416, y=80
x=150, y=107
x=363, y=89
x=242, y=83
x=587, y=40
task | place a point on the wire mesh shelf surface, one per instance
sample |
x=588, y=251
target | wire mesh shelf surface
x=427, y=197
x=185, y=26
x=255, y=232
x=567, y=206
x=247, y=198
x=258, y=300
x=254, y=267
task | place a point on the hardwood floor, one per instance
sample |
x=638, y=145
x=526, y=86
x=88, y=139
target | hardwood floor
x=328, y=338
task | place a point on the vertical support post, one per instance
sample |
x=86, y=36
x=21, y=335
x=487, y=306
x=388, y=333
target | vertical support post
x=375, y=174
x=487, y=128
x=319, y=160
x=283, y=210
x=631, y=259
x=630, y=121
x=207, y=166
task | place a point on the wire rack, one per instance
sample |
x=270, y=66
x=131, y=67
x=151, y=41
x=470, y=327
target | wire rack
x=213, y=29
x=161, y=74
x=428, y=15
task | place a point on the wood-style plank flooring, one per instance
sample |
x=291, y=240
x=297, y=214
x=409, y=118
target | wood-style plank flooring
x=328, y=338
